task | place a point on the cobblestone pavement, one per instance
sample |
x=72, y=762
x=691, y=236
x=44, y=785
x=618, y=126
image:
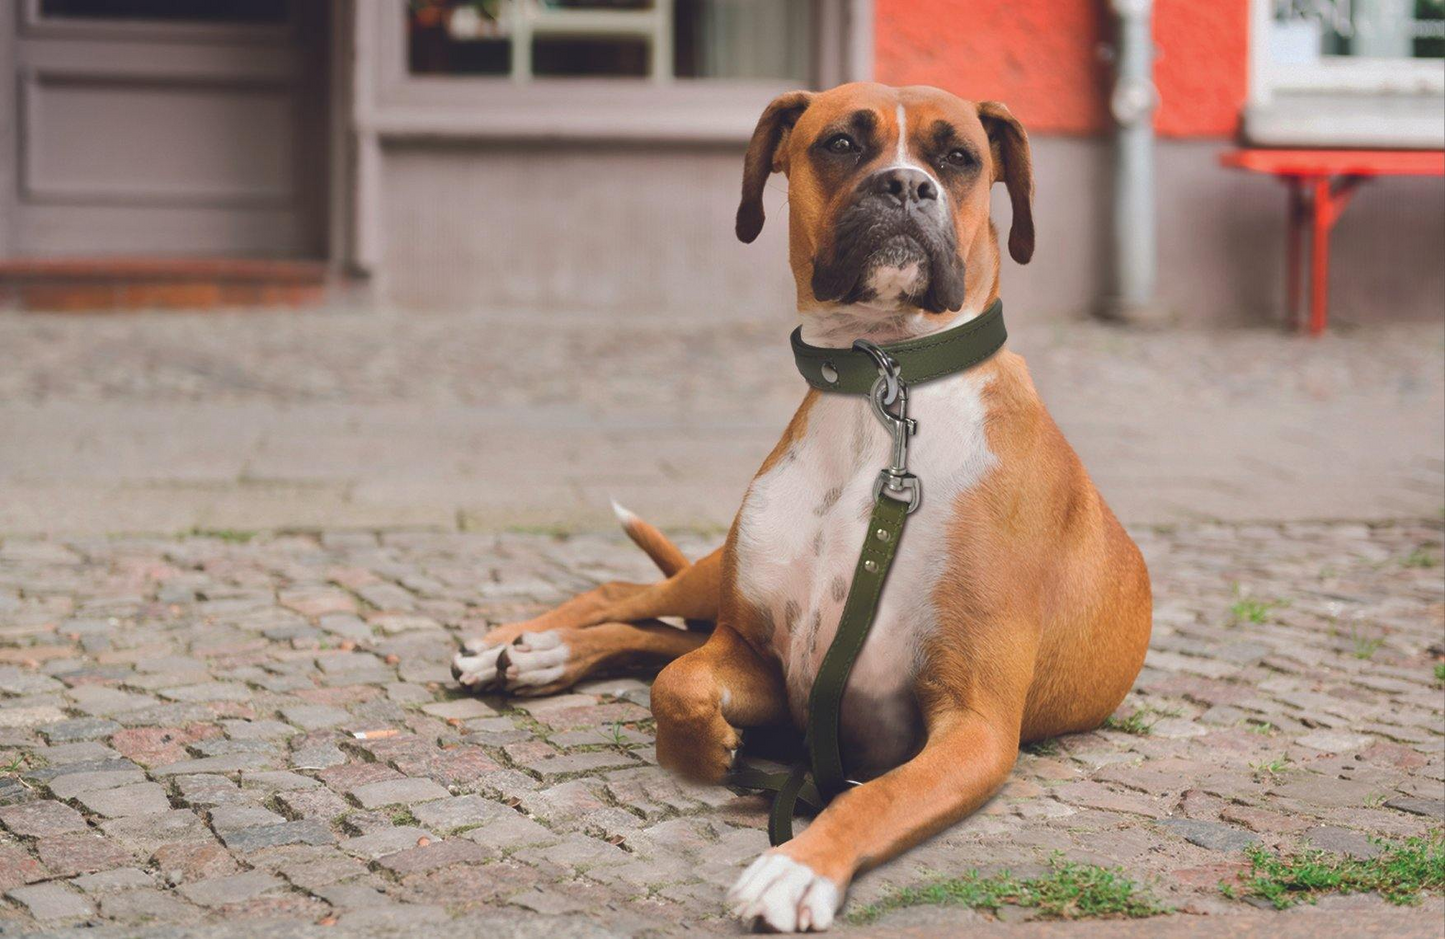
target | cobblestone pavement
x=264, y=736
x=357, y=418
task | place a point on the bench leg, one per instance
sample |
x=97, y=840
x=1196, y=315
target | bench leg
x=1294, y=273
x=1328, y=201
x=1320, y=254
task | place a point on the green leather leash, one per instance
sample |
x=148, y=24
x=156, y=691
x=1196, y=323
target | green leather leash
x=884, y=374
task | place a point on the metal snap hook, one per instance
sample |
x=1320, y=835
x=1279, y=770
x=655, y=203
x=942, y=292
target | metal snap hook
x=887, y=367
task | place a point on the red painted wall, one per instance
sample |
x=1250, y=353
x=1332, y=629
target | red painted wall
x=1037, y=56
x=1042, y=58
x=1202, y=68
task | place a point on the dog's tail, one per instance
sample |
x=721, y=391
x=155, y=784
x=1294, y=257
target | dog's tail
x=663, y=552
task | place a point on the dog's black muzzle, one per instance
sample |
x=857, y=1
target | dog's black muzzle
x=898, y=217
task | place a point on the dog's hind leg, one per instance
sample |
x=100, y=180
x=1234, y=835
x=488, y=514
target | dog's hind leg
x=690, y=592
x=552, y=661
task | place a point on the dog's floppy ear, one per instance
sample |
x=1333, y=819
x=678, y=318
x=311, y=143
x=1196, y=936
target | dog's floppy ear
x=763, y=158
x=1012, y=164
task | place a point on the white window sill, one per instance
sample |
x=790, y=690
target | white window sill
x=682, y=111
x=1301, y=119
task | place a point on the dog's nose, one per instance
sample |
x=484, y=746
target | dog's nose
x=905, y=185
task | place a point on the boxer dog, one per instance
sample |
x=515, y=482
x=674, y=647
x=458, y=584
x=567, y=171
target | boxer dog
x=1017, y=607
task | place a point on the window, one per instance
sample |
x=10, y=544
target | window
x=653, y=39
x=1387, y=46
x=1346, y=73
x=1305, y=31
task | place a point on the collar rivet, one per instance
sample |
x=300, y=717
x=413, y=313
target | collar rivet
x=830, y=374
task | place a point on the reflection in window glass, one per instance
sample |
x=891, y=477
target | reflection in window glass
x=1305, y=31
x=729, y=39
x=578, y=58
x=744, y=39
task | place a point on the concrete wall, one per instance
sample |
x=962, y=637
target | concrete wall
x=642, y=231
x=586, y=226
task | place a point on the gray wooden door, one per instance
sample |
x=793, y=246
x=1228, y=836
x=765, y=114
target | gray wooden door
x=169, y=127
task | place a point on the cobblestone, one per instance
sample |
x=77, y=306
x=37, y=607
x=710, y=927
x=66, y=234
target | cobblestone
x=41, y=819
x=397, y=792
x=275, y=744
x=138, y=799
x=120, y=878
x=52, y=901
x=80, y=853
x=234, y=889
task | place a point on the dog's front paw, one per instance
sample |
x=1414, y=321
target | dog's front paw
x=780, y=894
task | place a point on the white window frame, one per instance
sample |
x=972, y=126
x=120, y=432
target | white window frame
x=1332, y=74
x=393, y=103
x=529, y=19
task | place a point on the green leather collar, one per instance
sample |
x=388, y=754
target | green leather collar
x=852, y=371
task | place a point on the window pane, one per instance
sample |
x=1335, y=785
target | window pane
x=445, y=38
x=580, y=57
x=725, y=39
x=211, y=11
x=1306, y=30
x=744, y=39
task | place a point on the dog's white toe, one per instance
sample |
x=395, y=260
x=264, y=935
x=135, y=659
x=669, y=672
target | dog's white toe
x=535, y=660
x=783, y=895
x=478, y=670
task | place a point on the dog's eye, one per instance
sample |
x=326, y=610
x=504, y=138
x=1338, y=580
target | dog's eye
x=958, y=157
x=841, y=143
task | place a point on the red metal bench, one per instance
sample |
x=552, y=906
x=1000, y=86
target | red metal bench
x=1321, y=183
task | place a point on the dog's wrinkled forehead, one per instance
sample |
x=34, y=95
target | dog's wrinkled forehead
x=891, y=127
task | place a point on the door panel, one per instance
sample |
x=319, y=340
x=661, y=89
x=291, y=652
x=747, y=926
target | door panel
x=166, y=135
x=111, y=142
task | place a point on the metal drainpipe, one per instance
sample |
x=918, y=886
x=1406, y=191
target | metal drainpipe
x=1134, y=226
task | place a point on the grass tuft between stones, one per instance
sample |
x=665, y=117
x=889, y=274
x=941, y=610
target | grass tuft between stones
x=1141, y=722
x=1247, y=609
x=1401, y=873
x=1067, y=891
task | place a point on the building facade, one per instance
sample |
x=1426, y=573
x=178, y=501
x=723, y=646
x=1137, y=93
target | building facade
x=585, y=155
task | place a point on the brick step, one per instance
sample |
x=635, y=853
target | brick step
x=150, y=283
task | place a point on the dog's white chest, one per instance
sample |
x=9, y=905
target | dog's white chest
x=802, y=526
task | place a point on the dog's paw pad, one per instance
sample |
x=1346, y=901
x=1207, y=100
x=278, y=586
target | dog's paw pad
x=780, y=894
